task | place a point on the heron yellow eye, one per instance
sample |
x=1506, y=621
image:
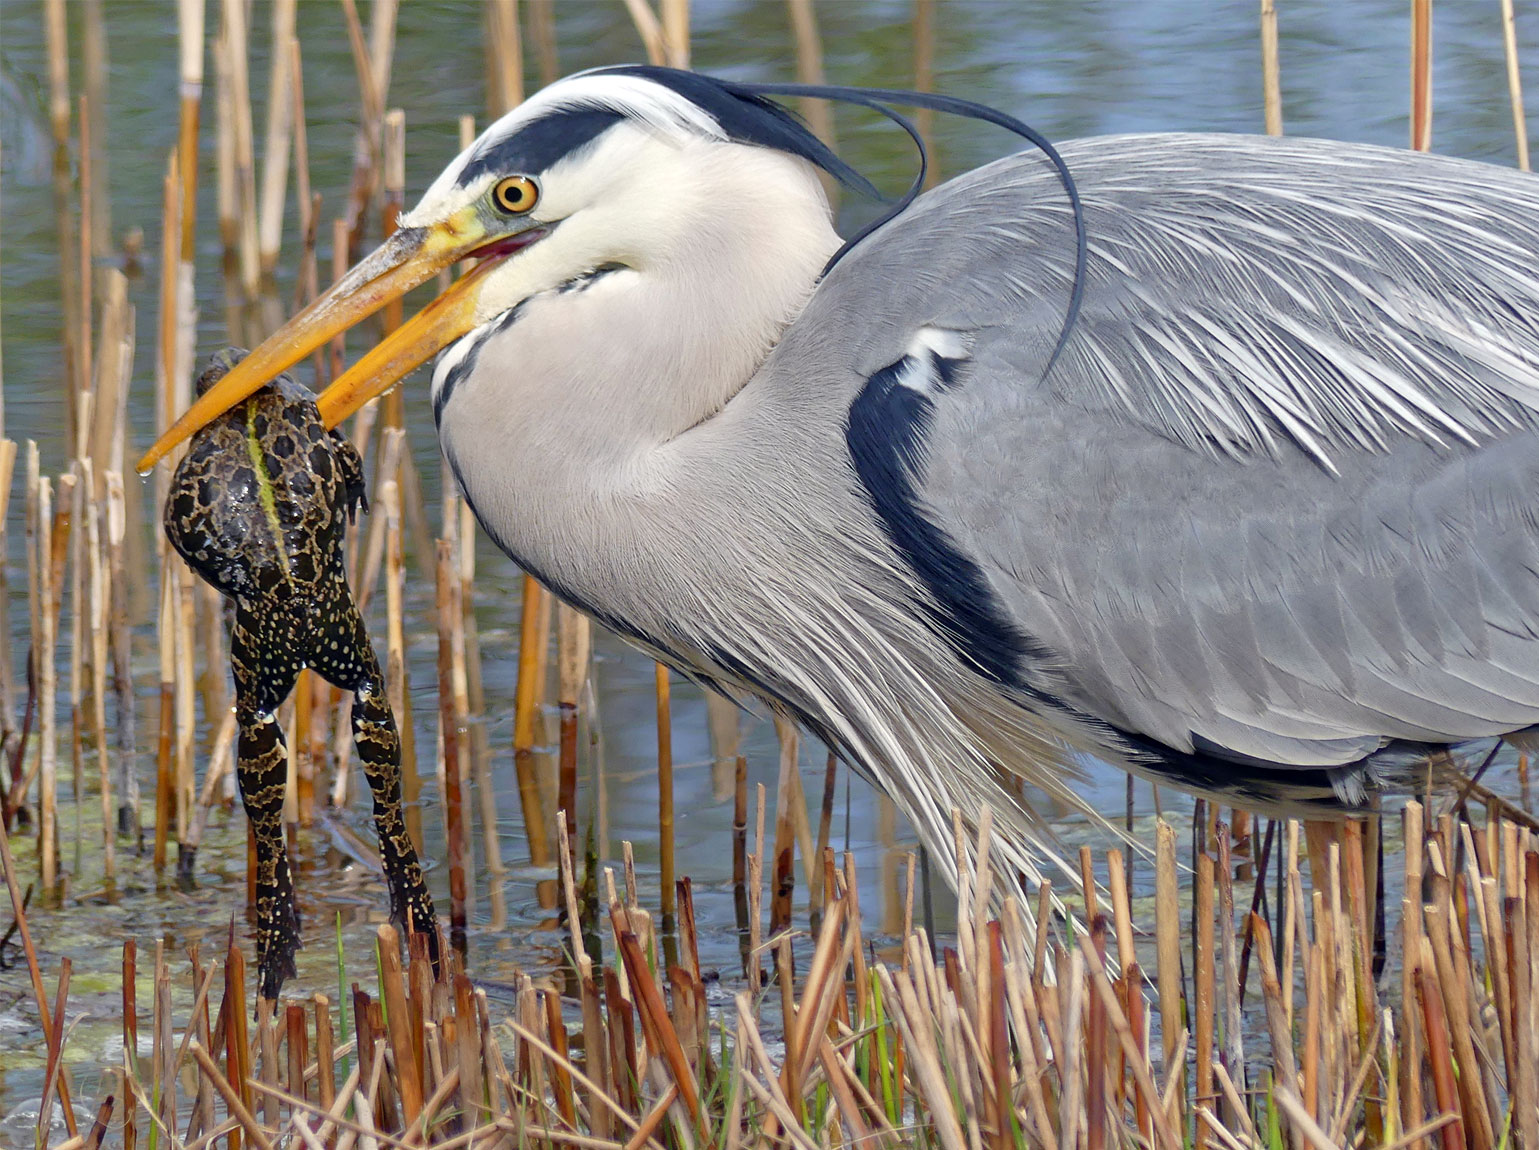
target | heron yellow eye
x=515, y=195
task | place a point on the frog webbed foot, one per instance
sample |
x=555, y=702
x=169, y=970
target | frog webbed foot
x=278, y=938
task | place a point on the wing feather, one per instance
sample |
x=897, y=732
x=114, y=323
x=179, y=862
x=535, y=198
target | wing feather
x=1277, y=500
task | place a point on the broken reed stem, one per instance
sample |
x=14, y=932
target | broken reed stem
x=48, y=837
x=1421, y=75
x=504, y=58
x=238, y=108
x=809, y=68
x=665, y=795
x=573, y=642
x=280, y=130
x=1515, y=83
x=1271, y=75
x=526, y=700
x=457, y=836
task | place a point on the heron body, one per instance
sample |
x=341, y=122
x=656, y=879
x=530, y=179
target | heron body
x=258, y=507
x=1264, y=527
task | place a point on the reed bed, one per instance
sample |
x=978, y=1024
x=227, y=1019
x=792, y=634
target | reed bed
x=1027, y=1028
x=1251, y=1001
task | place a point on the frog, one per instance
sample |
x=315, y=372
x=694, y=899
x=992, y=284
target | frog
x=259, y=508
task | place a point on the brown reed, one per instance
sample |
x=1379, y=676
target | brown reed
x=1013, y=1037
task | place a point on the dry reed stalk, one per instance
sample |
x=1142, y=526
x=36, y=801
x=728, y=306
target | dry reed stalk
x=542, y=30
x=84, y=379
x=122, y=678
x=73, y=499
x=740, y=837
x=166, y=390
x=468, y=669
x=16, y=799
x=818, y=893
x=1525, y=1083
x=393, y=159
x=573, y=641
x=307, y=282
x=372, y=61
x=405, y=1050
x=97, y=598
x=809, y=70
x=56, y=34
x=723, y=724
x=233, y=30
x=94, y=60
x=1203, y=979
x=191, y=49
x=163, y=1057
x=1233, y=1055
x=44, y=662
x=525, y=703
x=755, y=895
x=457, y=836
x=267, y=1044
x=185, y=695
x=1167, y=917
x=675, y=21
x=224, y=147
x=281, y=113
x=504, y=58
x=70, y=571
x=665, y=796
x=783, y=885
x=1271, y=82
x=1515, y=83
x=924, y=80
x=8, y=733
x=1421, y=75
x=653, y=39
x=5, y=670
x=75, y=375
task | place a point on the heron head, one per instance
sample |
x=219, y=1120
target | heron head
x=600, y=169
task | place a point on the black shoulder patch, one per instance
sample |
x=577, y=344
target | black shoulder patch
x=540, y=144
x=886, y=433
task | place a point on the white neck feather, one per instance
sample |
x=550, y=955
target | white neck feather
x=719, y=246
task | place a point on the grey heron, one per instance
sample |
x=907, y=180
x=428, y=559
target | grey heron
x=1263, y=527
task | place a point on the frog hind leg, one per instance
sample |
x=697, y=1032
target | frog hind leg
x=261, y=685
x=346, y=659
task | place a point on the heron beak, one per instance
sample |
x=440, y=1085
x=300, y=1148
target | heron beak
x=420, y=338
x=408, y=258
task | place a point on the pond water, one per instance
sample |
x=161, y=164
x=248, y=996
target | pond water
x=1068, y=67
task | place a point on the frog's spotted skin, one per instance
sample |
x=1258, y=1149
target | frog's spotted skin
x=258, y=508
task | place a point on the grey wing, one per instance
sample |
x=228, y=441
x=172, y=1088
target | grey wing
x=1277, y=500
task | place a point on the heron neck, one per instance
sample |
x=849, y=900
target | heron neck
x=575, y=392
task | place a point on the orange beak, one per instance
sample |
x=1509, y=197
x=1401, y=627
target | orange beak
x=408, y=258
